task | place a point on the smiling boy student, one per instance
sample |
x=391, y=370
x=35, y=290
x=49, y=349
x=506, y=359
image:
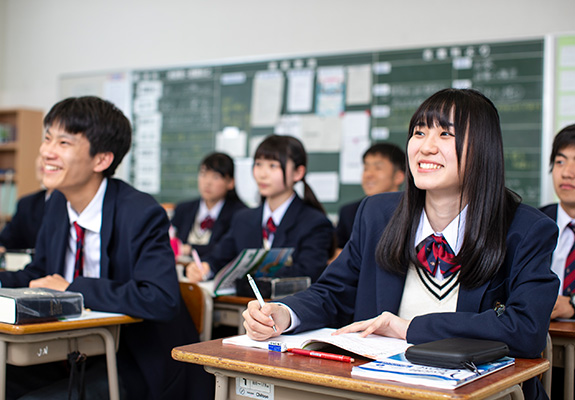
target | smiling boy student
x=126, y=265
x=562, y=163
x=383, y=171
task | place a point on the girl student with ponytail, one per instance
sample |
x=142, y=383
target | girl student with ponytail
x=282, y=220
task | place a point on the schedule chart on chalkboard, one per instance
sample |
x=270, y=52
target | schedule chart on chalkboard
x=337, y=104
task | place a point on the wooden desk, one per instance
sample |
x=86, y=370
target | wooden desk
x=52, y=341
x=228, y=311
x=563, y=339
x=296, y=377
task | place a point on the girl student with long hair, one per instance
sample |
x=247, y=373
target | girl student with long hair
x=202, y=222
x=491, y=278
x=283, y=219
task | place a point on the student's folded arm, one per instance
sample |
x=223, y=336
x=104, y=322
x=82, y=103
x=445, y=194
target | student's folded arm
x=516, y=310
x=142, y=280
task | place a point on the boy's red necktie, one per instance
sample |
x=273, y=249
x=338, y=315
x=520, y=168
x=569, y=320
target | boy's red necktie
x=79, y=261
x=569, y=277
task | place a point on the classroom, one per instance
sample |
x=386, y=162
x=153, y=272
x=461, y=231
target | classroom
x=118, y=50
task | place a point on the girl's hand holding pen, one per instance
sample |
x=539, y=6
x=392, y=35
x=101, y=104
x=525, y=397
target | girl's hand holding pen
x=196, y=273
x=257, y=320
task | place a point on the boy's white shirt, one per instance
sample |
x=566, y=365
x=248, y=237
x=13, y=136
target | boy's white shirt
x=565, y=241
x=91, y=220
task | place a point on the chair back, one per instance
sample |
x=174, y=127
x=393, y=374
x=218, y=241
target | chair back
x=200, y=306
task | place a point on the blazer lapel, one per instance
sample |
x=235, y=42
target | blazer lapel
x=288, y=222
x=108, y=211
x=59, y=237
x=390, y=290
x=469, y=300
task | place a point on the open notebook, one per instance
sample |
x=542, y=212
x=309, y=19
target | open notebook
x=373, y=346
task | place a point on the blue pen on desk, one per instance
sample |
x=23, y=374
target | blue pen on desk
x=258, y=296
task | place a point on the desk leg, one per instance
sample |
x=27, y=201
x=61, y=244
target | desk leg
x=3, y=355
x=569, y=371
x=111, y=363
x=222, y=383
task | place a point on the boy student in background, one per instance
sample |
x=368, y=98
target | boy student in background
x=383, y=171
x=20, y=233
x=283, y=220
x=202, y=222
x=562, y=162
x=110, y=242
x=492, y=279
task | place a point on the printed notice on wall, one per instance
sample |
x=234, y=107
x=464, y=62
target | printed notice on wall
x=355, y=141
x=358, y=85
x=300, y=90
x=330, y=91
x=268, y=90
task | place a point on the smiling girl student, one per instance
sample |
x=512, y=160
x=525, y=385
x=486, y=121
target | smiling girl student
x=495, y=285
x=282, y=220
x=202, y=222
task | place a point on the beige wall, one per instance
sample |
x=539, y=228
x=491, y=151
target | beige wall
x=3, y=29
x=47, y=38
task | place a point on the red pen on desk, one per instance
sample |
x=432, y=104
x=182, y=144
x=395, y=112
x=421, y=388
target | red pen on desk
x=321, y=354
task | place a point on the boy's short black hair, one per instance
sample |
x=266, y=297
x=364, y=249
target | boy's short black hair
x=390, y=151
x=565, y=138
x=104, y=125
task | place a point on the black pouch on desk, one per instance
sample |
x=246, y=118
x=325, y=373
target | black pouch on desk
x=456, y=352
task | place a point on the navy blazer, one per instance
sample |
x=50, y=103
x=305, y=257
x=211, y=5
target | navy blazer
x=355, y=288
x=20, y=233
x=550, y=210
x=137, y=277
x=303, y=227
x=185, y=215
x=345, y=222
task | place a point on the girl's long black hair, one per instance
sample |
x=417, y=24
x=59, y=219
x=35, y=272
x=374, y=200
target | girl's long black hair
x=491, y=206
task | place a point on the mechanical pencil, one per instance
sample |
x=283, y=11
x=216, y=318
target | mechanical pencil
x=258, y=295
x=198, y=262
x=321, y=354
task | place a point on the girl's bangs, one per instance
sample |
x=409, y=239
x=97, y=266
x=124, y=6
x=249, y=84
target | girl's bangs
x=435, y=114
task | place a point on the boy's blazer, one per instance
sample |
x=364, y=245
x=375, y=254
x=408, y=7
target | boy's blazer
x=550, y=210
x=185, y=215
x=137, y=277
x=302, y=227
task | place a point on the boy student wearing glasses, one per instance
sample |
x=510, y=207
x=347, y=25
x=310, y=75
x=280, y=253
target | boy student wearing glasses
x=110, y=242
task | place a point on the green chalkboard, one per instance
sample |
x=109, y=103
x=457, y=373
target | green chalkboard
x=177, y=112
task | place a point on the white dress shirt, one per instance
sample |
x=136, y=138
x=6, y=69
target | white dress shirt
x=91, y=220
x=564, y=243
x=277, y=215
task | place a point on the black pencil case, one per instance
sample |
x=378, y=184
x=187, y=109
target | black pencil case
x=456, y=352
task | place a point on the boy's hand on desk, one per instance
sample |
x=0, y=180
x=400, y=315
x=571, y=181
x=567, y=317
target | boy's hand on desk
x=386, y=324
x=257, y=320
x=56, y=282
